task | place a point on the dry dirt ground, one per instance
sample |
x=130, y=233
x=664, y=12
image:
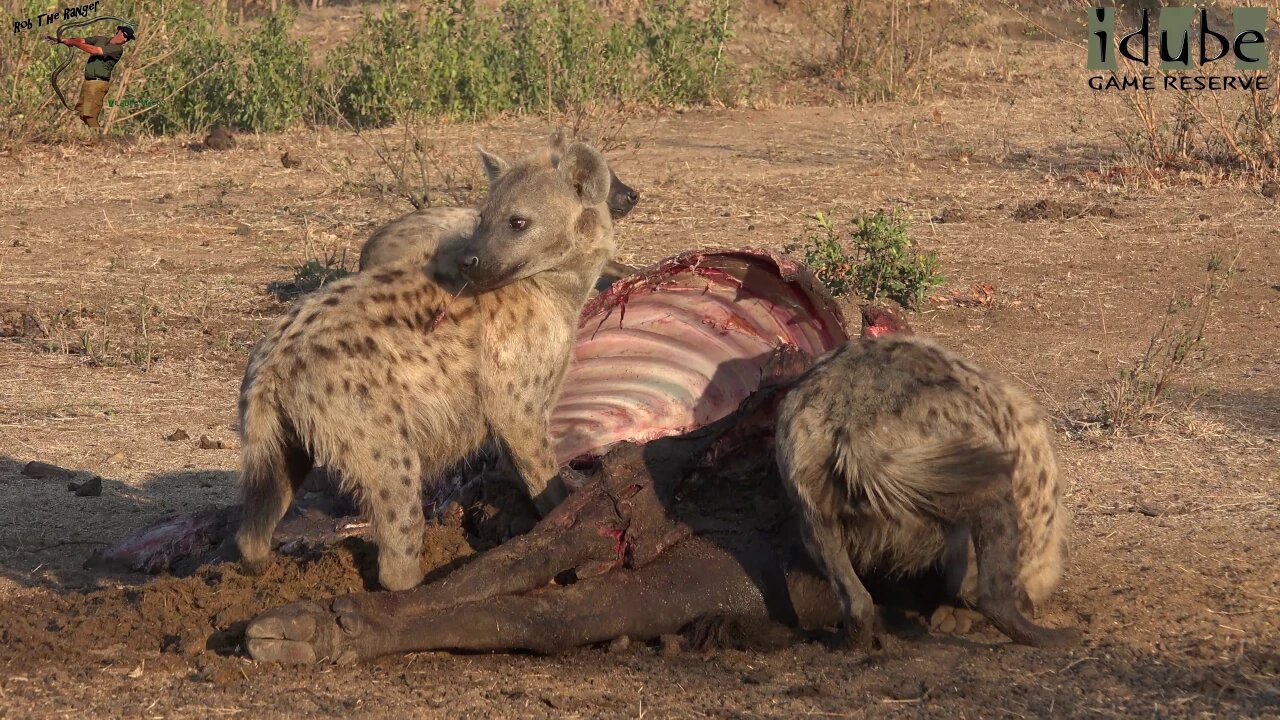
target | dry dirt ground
x=142, y=271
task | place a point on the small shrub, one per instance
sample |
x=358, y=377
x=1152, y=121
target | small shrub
x=411, y=164
x=874, y=258
x=1139, y=390
x=312, y=275
x=315, y=274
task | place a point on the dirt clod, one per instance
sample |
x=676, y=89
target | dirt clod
x=177, y=435
x=47, y=471
x=19, y=323
x=670, y=645
x=89, y=488
x=953, y=214
x=211, y=443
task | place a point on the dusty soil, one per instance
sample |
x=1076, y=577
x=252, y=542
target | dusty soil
x=129, y=316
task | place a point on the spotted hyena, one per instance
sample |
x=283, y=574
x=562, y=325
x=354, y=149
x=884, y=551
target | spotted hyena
x=445, y=230
x=897, y=452
x=389, y=376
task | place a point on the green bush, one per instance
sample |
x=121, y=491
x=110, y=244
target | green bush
x=466, y=61
x=193, y=68
x=25, y=65
x=275, y=78
x=872, y=256
x=199, y=88
x=684, y=51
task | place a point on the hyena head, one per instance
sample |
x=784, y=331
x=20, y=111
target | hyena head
x=546, y=211
x=881, y=320
x=622, y=197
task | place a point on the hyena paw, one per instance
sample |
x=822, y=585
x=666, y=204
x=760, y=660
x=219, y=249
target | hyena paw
x=400, y=575
x=861, y=636
x=255, y=567
x=952, y=620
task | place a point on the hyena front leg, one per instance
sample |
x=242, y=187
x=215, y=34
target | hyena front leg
x=525, y=439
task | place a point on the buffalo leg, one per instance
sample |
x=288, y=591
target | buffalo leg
x=694, y=579
x=691, y=580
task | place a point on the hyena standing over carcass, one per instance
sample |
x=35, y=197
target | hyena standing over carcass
x=389, y=377
x=897, y=452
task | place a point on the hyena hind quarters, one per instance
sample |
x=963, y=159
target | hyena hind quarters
x=896, y=452
x=387, y=377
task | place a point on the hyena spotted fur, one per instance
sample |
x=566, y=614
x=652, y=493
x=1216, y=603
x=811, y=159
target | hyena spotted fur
x=898, y=452
x=389, y=376
x=446, y=230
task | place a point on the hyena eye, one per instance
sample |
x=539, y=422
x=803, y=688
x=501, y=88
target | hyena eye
x=518, y=223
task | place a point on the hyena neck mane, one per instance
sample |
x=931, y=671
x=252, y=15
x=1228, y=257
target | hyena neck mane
x=882, y=320
x=573, y=282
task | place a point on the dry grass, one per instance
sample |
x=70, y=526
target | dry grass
x=1189, y=507
x=1137, y=398
x=1211, y=134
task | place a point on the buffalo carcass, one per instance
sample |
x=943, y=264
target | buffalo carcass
x=666, y=424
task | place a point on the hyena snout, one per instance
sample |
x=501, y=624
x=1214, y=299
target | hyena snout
x=484, y=272
x=622, y=198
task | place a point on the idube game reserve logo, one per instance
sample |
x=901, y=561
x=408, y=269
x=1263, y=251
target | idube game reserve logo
x=1175, y=63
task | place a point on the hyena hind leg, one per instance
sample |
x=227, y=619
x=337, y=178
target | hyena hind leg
x=958, y=571
x=268, y=483
x=823, y=537
x=995, y=538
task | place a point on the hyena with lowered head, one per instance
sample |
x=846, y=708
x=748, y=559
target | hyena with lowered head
x=389, y=377
x=896, y=452
x=424, y=233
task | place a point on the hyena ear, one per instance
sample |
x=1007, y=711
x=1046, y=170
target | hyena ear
x=586, y=171
x=559, y=140
x=494, y=166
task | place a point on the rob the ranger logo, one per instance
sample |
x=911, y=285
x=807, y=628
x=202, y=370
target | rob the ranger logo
x=1245, y=42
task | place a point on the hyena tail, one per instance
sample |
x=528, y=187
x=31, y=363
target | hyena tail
x=273, y=465
x=1043, y=526
x=940, y=479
